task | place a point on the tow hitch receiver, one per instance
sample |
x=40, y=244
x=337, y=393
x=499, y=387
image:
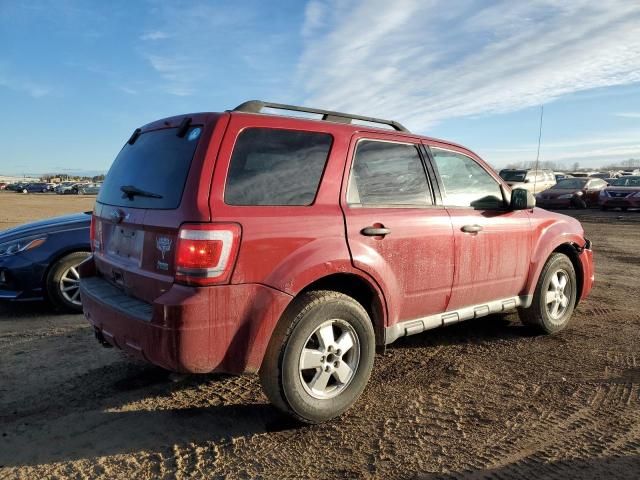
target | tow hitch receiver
x=101, y=339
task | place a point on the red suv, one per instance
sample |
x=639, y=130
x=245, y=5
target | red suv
x=251, y=242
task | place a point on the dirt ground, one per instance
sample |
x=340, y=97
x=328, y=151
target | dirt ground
x=18, y=208
x=481, y=399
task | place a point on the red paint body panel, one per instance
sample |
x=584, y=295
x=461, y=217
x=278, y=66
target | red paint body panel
x=550, y=231
x=493, y=263
x=195, y=329
x=425, y=266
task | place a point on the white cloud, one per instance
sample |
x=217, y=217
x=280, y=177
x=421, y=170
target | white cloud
x=155, y=35
x=593, y=151
x=24, y=85
x=628, y=114
x=179, y=72
x=421, y=62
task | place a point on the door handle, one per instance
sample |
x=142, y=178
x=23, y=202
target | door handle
x=375, y=231
x=471, y=228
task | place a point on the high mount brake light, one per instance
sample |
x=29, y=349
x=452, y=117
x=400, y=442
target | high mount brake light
x=206, y=253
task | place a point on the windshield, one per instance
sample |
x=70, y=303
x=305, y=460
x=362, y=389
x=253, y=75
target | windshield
x=158, y=162
x=626, y=182
x=513, y=175
x=570, y=183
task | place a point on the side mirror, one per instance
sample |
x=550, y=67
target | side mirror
x=526, y=180
x=522, y=199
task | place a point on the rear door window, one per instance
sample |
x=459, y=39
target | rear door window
x=157, y=163
x=276, y=167
x=386, y=174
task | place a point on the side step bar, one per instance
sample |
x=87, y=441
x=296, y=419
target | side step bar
x=419, y=325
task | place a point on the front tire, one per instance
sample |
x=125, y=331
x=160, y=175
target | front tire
x=63, y=282
x=320, y=356
x=554, y=298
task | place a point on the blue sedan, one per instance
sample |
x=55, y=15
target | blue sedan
x=40, y=259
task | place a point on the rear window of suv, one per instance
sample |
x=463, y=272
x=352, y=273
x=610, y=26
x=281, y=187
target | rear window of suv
x=157, y=163
x=276, y=167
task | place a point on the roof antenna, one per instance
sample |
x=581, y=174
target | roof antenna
x=535, y=177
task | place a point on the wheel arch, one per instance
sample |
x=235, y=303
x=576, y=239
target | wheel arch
x=572, y=250
x=362, y=290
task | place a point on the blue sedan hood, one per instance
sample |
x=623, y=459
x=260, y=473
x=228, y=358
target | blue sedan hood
x=49, y=225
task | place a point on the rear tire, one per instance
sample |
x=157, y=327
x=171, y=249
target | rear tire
x=554, y=298
x=63, y=282
x=578, y=203
x=320, y=356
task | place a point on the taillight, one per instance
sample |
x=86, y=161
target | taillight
x=206, y=253
x=95, y=234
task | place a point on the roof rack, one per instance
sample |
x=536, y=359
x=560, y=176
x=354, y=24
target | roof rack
x=256, y=106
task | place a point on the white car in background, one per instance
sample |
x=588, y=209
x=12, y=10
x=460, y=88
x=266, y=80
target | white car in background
x=532, y=180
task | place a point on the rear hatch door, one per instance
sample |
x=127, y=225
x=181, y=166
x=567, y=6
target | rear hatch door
x=159, y=180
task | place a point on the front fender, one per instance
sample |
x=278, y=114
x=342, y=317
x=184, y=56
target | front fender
x=550, y=234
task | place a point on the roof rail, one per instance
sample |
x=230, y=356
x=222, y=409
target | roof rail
x=256, y=106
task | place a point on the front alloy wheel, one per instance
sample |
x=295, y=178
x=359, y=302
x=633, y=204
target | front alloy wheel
x=555, y=296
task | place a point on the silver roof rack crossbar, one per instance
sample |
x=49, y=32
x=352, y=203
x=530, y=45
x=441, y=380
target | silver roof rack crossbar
x=256, y=106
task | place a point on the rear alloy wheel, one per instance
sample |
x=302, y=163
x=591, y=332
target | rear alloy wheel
x=63, y=282
x=555, y=296
x=320, y=356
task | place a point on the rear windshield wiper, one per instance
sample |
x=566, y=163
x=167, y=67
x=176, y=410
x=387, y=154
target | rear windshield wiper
x=129, y=191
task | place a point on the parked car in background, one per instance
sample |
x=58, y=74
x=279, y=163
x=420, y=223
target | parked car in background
x=561, y=176
x=623, y=193
x=532, y=180
x=247, y=242
x=67, y=188
x=89, y=189
x=572, y=192
x=15, y=187
x=40, y=259
x=34, y=188
x=601, y=175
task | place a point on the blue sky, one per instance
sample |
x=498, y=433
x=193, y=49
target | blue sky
x=76, y=77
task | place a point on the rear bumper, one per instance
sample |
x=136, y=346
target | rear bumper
x=186, y=329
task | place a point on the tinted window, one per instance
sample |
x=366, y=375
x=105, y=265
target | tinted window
x=513, y=175
x=571, y=183
x=276, y=167
x=626, y=182
x=158, y=163
x=465, y=182
x=385, y=173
